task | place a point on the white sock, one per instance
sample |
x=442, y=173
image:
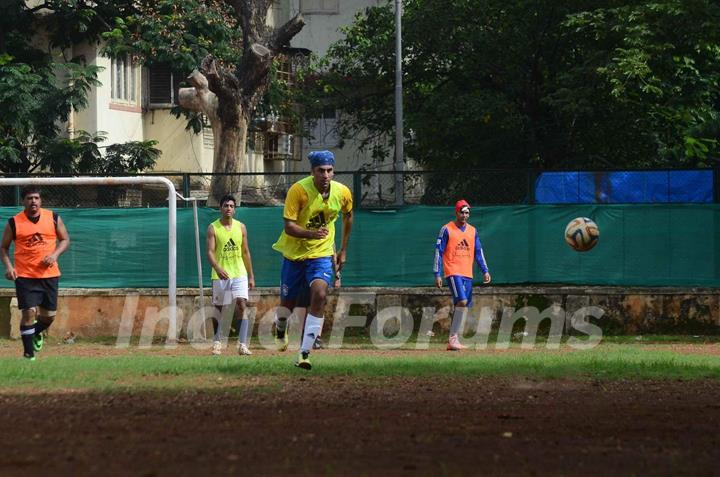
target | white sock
x=456, y=326
x=313, y=328
x=243, y=327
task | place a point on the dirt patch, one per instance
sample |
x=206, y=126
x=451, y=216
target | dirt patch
x=371, y=426
x=700, y=349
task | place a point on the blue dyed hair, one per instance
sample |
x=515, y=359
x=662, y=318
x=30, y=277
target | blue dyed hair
x=321, y=158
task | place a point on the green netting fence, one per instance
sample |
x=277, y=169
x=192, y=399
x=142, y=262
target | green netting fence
x=640, y=245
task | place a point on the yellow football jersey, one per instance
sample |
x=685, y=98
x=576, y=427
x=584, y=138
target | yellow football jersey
x=228, y=249
x=305, y=205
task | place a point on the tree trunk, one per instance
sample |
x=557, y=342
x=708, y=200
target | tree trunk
x=229, y=156
x=229, y=99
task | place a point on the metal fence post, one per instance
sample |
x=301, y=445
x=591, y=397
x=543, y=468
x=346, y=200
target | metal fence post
x=532, y=179
x=357, y=188
x=186, y=188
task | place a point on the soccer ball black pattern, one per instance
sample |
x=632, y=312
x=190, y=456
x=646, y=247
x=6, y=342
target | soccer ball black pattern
x=582, y=234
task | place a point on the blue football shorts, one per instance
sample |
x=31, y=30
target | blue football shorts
x=298, y=275
x=461, y=288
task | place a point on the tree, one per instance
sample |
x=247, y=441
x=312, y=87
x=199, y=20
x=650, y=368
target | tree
x=543, y=84
x=661, y=62
x=40, y=88
x=232, y=51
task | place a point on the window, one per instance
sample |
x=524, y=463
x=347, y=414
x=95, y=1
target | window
x=124, y=81
x=284, y=71
x=279, y=146
x=164, y=85
x=255, y=142
x=327, y=7
x=323, y=130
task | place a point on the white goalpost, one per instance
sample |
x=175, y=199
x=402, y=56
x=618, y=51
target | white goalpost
x=197, y=255
x=114, y=181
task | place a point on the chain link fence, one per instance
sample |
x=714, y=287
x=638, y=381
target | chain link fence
x=255, y=190
x=384, y=189
x=96, y=196
x=379, y=189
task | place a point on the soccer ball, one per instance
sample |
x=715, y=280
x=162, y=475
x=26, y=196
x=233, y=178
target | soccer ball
x=582, y=234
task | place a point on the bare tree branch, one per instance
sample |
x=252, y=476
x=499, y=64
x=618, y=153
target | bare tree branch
x=39, y=7
x=199, y=98
x=258, y=14
x=252, y=15
x=242, y=11
x=254, y=68
x=286, y=33
x=219, y=81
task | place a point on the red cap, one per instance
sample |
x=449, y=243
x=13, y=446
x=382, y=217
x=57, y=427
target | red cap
x=460, y=204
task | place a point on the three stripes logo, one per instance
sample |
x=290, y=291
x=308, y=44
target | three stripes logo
x=316, y=221
x=462, y=246
x=230, y=246
x=35, y=240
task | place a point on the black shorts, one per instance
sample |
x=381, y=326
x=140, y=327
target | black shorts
x=32, y=292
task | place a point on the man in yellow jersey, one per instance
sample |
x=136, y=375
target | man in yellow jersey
x=308, y=246
x=457, y=247
x=40, y=238
x=232, y=272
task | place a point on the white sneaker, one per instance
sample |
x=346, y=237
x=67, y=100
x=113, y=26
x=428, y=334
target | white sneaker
x=243, y=350
x=217, y=348
x=454, y=344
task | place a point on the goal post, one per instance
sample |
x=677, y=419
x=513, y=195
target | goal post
x=115, y=181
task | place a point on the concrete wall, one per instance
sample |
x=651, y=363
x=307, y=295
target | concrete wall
x=182, y=150
x=86, y=119
x=122, y=122
x=627, y=311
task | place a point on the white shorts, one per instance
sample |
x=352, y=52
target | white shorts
x=226, y=291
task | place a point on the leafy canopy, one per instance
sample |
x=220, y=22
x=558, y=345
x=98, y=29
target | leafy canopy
x=491, y=83
x=40, y=87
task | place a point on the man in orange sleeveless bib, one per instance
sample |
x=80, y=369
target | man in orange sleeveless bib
x=457, y=248
x=40, y=238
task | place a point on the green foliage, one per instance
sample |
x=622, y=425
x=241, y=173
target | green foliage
x=661, y=61
x=39, y=89
x=177, y=33
x=85, y=156
x=134, y=156
x=491, y=83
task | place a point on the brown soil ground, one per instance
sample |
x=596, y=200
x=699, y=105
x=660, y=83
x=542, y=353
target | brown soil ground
x=305, y=425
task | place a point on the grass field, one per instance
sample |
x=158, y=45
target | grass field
x=100, y=366
x=627, y=407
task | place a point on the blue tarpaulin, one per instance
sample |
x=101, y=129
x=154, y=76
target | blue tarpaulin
x=624, y=187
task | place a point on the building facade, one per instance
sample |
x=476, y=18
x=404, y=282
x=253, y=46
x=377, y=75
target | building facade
x=134, y=103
